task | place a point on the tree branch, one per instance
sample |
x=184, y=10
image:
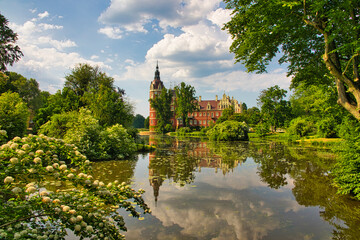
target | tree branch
x=22, y=219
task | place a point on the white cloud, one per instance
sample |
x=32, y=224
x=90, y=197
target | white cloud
x=134, y=15
x=46, y=26
x=220, y=16
x=200, y=56
x=46, y=58
x=111, y=32
x=43, y=15
x=93, y=57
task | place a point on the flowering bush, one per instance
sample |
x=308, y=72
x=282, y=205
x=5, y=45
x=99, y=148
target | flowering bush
x=46, y=188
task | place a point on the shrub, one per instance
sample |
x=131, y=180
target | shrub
x=117, y=143
x=262, y=129
x=347, y=169
x=13, y=114
x=79, y=128
x=31, y=167
x=228, y=131
x=327, y=128
x=300, y=127
x=183, y=131
x=83, y=130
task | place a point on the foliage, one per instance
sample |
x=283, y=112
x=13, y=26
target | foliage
x=62, y=101
x=347, y=168
x=86, y=86
x=3, y=136
x=183, y=131
x=9, y=52
x=318, y=105
x=300, y=127
x=262, y=129
x=226, y=114
x=117, y=143
x=274, y=108
x=86, y=78
x=327, y=128
x=109, y=106
x=33, y=208
x=162, y=105
x=146, y=123
x=28, y=89
x=185, y=102
x=228, y=131
x=138, y=121
x=83, y=130
x=13, y=114
x=316, y=38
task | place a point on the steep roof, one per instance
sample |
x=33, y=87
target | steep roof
x=204, y=103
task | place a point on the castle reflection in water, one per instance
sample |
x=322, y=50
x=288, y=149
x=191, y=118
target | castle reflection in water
x=181, y=160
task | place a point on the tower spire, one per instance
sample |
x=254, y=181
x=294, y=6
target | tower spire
x=157, y=72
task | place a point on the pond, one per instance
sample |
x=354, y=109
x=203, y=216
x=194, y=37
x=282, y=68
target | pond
x=243, y=190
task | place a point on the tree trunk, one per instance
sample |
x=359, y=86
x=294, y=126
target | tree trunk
x=344, y=84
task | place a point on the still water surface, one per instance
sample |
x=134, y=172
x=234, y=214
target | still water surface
x=203, y=190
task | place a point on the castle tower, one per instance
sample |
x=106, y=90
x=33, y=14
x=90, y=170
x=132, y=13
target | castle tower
x=155, y=89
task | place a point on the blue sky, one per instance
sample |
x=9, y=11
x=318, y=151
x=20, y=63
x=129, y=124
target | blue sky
x=126, y=38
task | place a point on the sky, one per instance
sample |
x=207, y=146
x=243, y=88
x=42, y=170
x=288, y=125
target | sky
x=127, y=38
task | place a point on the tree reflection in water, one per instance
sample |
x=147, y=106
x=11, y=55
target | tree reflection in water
x=245, y=208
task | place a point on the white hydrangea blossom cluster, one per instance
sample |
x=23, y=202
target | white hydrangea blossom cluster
x=46, y=187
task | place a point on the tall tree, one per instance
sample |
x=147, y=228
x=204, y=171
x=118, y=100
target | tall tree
x=85, y=78
x=138, y=121
x=185, y=102
x=9, y=52
x=274, y=108
x=28, y=89
x=162, y=105
x=316, y=37
x=109, y=106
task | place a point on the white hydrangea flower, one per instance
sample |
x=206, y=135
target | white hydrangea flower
x=8, y=180
x=16, y=190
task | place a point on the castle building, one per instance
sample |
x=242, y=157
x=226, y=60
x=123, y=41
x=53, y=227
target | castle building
x=208, y=110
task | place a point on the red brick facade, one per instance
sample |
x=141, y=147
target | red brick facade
x=208, y=110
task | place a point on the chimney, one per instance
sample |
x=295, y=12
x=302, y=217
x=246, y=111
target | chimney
x=199, y=98
x=216, y=98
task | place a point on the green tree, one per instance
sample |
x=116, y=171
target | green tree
x=146, y=123
x=9, y=52
x=109, y=106
x=185, y=102
x=226, y=114
x=274, y=108
x=138, y=121
x=85, y=78
x=316, y=38
x=28, y=89
x=62, y=101
x=86, y=86
x=162, y=105
x=13, y=114
x=253, y=116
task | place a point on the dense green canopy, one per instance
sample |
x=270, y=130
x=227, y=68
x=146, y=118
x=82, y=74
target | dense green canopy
x=317, y=38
